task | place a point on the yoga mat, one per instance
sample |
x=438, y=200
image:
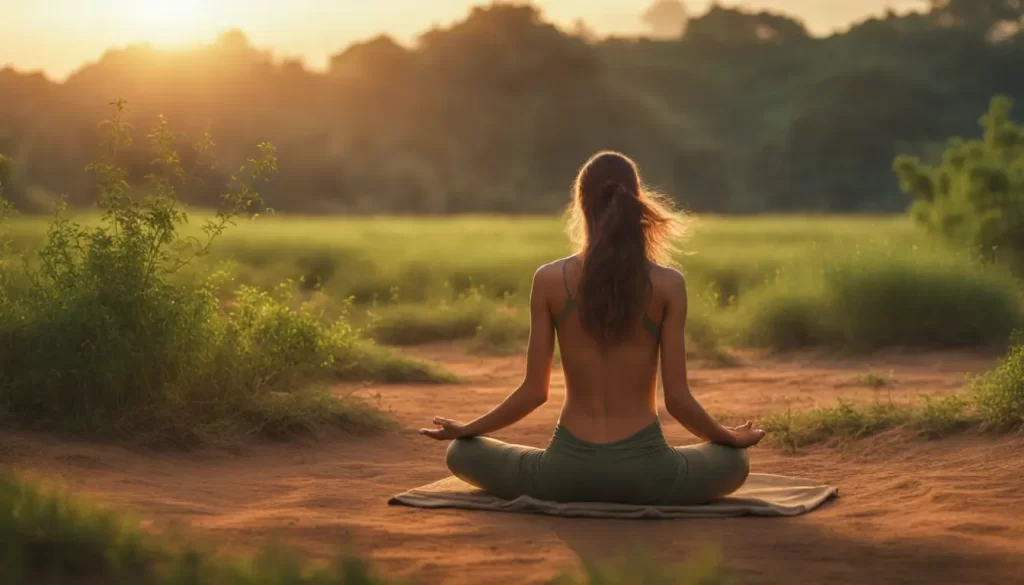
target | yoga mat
x=762, y=495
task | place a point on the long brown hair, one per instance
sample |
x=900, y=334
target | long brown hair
x=618, y=226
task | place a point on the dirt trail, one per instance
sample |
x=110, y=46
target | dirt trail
x=910, y=511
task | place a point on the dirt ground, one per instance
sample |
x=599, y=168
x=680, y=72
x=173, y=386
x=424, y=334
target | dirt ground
x=910, y=510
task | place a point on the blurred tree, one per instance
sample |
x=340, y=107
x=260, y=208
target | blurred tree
x=976, y=195
x=722, y=25
x=666, y=19
x=981, y=15
x=495, y=111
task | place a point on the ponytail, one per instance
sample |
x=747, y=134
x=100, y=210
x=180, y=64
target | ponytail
x=619, y=227
x=615, y=282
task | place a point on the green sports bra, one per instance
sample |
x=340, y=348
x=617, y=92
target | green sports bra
x=570, y=305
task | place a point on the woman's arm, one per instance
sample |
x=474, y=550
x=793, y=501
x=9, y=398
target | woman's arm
x=532, y=393
x=679, y=401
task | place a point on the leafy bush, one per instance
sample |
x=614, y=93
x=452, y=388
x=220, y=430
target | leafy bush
x=865, y=302
x=974, y=196
x=419, y=324
x=98, y=332
x=921, y=301
x=999, y=395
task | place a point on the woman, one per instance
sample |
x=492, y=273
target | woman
x=614, y=307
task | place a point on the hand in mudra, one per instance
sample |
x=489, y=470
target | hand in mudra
x=449, y=430
x=747, y=435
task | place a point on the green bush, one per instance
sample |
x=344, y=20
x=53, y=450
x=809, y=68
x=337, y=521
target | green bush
x=974, y=196
x=922, y=302
x=864, y=302
x=99, y=334
x=495, y=327
x=419, y=324
x=999, y=395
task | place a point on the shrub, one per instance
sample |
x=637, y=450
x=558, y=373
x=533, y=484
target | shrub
x=495, y=327
x=973, y=197
x=98, y=334
x=999, y=395
x=921, y=301
x=864, y=302
x=419, y=324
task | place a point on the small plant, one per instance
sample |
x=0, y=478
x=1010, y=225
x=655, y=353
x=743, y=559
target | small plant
x=944, y=415
x=998, y=395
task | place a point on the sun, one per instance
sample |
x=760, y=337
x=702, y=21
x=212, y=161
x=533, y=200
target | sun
x=170, y=22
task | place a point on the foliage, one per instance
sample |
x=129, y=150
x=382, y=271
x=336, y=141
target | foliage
x=999, y=394
x=781, y=282
x=994, y=403
x=866, y=301
x=935, y=417
x=745, y=113
x=99, y=333
x=975, y=196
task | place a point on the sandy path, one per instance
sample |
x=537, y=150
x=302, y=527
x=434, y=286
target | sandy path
x=911, y=511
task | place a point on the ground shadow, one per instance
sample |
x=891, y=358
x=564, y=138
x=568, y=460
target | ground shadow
x=809, y=549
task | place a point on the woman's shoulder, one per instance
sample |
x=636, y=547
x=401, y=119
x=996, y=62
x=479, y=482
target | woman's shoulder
x=667, y=278
x=556, y=266
x=552, y=271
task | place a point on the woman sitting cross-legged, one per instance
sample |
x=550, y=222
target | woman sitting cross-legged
x=616, y=307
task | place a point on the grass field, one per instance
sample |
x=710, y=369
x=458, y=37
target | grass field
x=855, y=283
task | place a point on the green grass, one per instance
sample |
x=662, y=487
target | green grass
x=372, y=362
x=50, y=538
x=994, y=402
x=873, y=298
x=782, y=282
x=933, y=418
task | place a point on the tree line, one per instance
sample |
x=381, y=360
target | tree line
x=730, y=111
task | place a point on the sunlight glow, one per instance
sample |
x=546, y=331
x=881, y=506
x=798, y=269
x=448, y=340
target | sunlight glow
x=171, y=22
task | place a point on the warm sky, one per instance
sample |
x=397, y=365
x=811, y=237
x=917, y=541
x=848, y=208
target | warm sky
x=57, y=36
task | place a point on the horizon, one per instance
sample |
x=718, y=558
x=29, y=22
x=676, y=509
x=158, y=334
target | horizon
x=316, y=29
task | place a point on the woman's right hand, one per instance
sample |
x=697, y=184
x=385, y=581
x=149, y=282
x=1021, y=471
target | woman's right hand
x=746, y=435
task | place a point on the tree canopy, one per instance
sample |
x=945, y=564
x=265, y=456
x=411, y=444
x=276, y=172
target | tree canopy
x=743, y=112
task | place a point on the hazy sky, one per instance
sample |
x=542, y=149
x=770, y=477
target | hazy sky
x=58, y=36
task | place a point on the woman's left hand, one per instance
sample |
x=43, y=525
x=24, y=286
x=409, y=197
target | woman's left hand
x=449, y=430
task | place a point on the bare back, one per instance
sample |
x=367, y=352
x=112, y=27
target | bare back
x=611, y=392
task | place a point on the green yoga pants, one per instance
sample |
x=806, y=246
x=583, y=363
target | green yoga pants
x=641, y=469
